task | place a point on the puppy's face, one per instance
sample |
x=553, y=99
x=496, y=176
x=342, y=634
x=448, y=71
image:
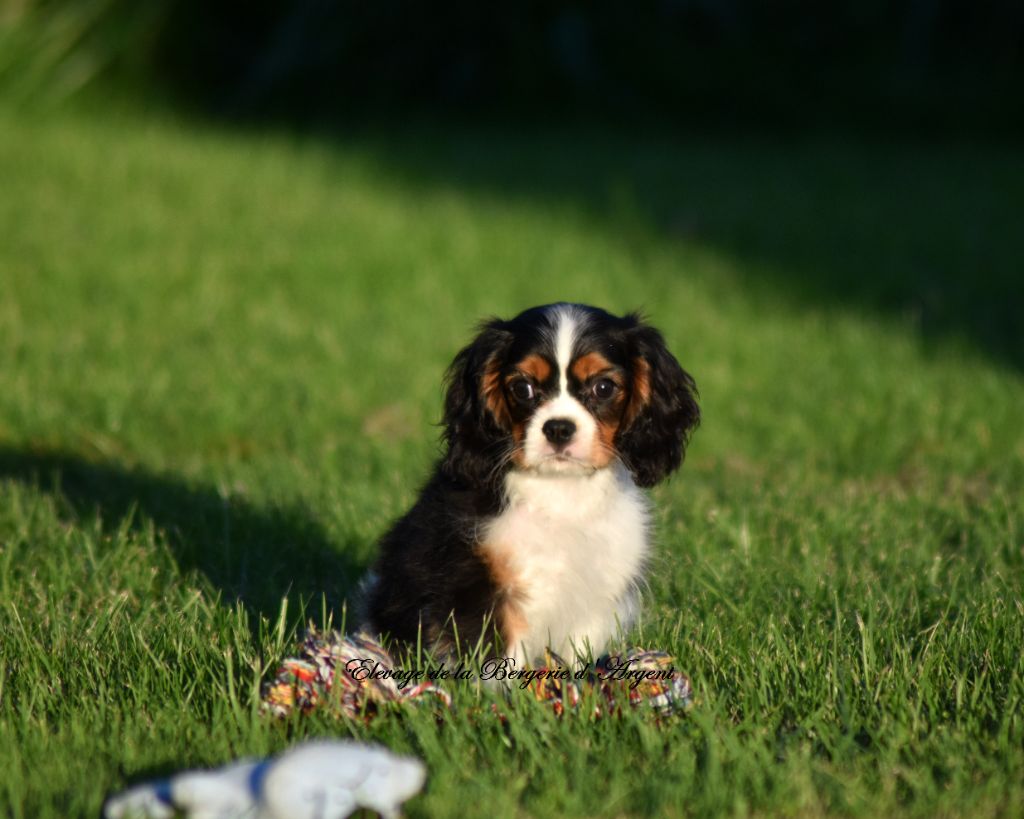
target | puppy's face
x=562, y=389
x=567, y=390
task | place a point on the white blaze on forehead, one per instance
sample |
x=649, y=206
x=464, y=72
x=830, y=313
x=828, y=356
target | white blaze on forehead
x=574, y=457
x=566, y=321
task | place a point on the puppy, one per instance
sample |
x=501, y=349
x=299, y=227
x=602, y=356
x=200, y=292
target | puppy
x=533, y=527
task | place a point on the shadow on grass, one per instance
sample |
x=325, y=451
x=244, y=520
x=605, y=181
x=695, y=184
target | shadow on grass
x=249, y=553
x=926, y=233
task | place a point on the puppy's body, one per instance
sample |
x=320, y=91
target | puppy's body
x=534, y=522
x=573, y=550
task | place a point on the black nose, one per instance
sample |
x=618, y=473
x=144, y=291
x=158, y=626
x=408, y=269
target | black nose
x=558, y=430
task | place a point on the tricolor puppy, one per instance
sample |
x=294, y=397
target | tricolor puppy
x=533, y=527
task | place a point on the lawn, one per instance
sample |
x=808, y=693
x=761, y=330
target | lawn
x=220, y=363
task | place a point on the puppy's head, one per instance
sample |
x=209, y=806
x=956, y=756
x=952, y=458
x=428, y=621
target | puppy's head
x=566, y=389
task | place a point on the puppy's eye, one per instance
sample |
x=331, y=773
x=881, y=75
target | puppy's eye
x=522, y=390
x=603, y=389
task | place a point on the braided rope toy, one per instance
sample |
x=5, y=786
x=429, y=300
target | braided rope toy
x=325, y=677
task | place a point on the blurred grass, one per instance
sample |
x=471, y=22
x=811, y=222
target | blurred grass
x=220, y=360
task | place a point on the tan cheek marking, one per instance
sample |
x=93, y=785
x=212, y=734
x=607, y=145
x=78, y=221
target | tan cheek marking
x=585, y=367
x=641, y=390
x=508, y=609
x=604, y=443
x=603, y=449
x=537, y=368
x=494, y=398
x=588, y=365
x=518, y=435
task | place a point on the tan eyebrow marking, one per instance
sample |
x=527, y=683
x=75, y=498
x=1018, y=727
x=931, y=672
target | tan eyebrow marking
x=536, y=367
x=590, y=365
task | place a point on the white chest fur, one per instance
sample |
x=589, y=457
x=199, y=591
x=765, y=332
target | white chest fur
x=573, y=549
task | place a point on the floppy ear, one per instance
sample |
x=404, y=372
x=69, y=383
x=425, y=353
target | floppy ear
x=476, y=421
x=662, y=409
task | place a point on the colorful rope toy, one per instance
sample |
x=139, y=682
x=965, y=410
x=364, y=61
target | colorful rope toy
x=330, y=675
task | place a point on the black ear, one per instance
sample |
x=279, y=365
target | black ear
x=662, y=409
x=476, y=431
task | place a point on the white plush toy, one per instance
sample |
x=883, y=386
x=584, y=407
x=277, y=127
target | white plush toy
x=318, y=780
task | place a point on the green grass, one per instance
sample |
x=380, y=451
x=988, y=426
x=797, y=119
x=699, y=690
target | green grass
x=220, y=360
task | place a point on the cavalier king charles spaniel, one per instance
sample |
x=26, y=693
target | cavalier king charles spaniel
x=533, y=527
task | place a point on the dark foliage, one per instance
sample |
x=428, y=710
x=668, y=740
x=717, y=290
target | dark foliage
x=705, y=63
x=724, y=60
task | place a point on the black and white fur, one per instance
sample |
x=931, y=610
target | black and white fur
x=533, y=528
